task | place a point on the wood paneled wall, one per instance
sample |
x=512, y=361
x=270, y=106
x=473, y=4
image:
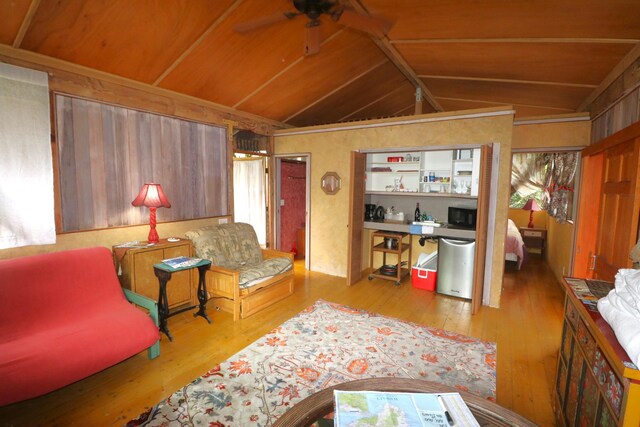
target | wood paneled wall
x=618, y=106
x=106, y=153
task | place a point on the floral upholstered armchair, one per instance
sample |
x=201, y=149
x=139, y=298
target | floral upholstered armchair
x=244, y=278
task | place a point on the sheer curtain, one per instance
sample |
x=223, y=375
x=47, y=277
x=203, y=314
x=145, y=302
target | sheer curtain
x=528, y=175
x=547, y=177
x=249, y=204
x=26, y=186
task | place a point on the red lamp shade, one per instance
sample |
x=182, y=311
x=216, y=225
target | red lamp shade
x=532, y=206
x=152, y=196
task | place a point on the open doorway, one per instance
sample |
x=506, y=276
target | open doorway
x=292, y=200
x=542, y=206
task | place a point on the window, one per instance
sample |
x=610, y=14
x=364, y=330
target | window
x=528, y=172
x=549, y=178
x=250, y=193
x=26, y=186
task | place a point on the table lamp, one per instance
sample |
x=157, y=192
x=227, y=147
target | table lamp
x=532, y=206
x=152, y=196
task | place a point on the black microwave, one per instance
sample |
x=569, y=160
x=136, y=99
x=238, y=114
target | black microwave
x=462, y=217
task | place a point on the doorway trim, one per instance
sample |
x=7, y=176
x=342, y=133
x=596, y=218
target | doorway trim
x=276, y=202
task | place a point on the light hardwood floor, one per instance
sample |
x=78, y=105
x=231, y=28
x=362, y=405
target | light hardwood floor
x=527, y=330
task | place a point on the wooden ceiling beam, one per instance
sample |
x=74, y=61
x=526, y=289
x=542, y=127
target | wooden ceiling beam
x=195, y=44
x=37, y=61
x=504, y=103
x=486, y=79
x=629, y=59
x=520, y=40
x=26, y=23
x=342, y=86
x=394, y=56
x=370, y=104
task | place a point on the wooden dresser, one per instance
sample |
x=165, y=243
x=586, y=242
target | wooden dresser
x=596, y=383
x=137, y=272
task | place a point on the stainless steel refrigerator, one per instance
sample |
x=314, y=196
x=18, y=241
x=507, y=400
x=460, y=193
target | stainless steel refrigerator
x=455, y=267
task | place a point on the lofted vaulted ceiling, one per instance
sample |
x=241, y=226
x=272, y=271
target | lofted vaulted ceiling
x=542, y=57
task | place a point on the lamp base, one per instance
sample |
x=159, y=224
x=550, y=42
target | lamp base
x=530, y=220
x=153, y=234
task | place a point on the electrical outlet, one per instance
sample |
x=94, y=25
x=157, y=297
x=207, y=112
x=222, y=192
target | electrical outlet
x=281, y=202
x=223, y=220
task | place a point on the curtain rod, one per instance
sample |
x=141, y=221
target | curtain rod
x=546, y=149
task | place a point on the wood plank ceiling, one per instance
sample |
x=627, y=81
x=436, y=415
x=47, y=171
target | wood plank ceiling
x=542, y=57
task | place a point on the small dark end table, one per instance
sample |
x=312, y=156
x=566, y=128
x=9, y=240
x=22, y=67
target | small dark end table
x=163, y=272
x=534, y=238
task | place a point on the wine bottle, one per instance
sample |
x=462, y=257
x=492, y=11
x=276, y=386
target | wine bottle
x=417, y=214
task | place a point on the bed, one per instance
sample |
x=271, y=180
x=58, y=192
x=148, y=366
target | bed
x=514, y=246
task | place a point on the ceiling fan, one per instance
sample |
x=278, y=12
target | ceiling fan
x=313, y=9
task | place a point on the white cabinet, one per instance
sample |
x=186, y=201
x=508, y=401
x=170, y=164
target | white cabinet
x=433, y=172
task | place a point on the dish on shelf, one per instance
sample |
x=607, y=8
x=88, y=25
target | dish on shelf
x=389, y=270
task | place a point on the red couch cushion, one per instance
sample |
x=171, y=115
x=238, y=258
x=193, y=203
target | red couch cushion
x=64, y=317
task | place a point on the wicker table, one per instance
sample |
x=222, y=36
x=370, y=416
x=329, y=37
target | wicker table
x=320, y=404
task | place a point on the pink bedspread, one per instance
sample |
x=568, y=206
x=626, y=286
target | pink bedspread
x=514, y=243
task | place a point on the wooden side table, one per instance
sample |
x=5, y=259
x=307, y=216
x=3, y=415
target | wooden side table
x=534, y=238
x=135, y=261
x=163, y=272
x=396, y=250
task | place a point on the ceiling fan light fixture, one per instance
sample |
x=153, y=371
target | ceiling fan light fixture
x=312, y=38
x=313, y=10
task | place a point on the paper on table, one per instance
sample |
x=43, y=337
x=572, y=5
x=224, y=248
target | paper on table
x=420, y=409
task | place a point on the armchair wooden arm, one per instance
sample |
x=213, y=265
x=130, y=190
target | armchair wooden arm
x=272, y=253
x=152, y=306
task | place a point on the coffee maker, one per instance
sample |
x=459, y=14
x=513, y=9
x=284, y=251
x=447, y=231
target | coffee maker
x=369, y=212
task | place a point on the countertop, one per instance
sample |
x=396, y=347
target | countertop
x=444, y=231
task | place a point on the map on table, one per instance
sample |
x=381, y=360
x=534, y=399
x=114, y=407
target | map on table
x=371, y=408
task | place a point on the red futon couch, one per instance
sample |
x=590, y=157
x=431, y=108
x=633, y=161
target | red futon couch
x=63, y=317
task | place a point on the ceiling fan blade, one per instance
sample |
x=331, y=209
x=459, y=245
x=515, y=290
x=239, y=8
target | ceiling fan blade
x=245, y=27
x=368, y=24
x=312, y=38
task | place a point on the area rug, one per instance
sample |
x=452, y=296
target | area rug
x=324, y=345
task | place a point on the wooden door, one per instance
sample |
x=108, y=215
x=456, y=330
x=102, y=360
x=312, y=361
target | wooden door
x=356, y=217
x=588, y=215
x=619, y=209
x=484, y=189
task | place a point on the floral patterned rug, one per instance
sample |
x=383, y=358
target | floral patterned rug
x=324, y=345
